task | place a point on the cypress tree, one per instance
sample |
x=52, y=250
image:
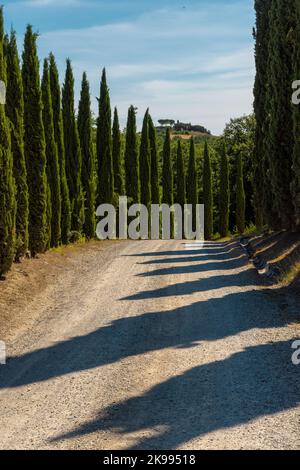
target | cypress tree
x=5, y=47
x=53, y=170
x=207, y=195
x=295, y=185
x=180, y=177
x=145, y=174
x=279, y=140
x=72, y=151
x=104, y=146
x=15, y=114
x=59, y=139
x=116, y=153
x=192, y=187
x=180, y=195
x=261, y=181
x=240, y=196
x=167, y=172
x=48, y=217
x=155, y=195
x=35, y=149
x=168, y=177
x=132, y=171
x=224, y=194
x=7, y=184
x=88, y=158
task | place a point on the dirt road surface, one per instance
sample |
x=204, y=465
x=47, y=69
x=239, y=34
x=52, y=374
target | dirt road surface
x=154, y=345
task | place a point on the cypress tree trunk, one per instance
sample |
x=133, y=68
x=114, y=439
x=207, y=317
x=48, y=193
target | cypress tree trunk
x=145, y=175
x=155, y=195
x=15, y=113
x=117, y=159
x=180, y=178
x=104, y=147
x=295, y=185
x=53, y=170
x=192, y=186
x=72, y=151
x=280, y=136
x=240, y=197
x=207, y=195
x=88, y=158
x=59, y=139
x=34, y=140
x=132, y=170
x=224, y=194
x=261, y=181
x=7, y=184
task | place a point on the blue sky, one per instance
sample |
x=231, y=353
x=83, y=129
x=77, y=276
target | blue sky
x=185, y=59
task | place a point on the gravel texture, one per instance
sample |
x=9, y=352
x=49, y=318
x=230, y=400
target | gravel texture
x=154, y=346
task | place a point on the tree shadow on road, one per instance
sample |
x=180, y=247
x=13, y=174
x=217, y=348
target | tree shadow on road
x=187, y=410
x=223, y=281
x=182, y=327
x=197, y=268
x=194, y=259
x=258, y=381
x=209, y=249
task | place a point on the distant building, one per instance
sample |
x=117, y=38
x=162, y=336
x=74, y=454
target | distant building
x=181, y=126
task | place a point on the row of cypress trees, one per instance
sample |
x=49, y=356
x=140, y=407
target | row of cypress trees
x=47, y=158
x=52, y=175
x=277, y=148
x=187, y=184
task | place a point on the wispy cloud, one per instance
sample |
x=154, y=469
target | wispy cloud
x=51, y=3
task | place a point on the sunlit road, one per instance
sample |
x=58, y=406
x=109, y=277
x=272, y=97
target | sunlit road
x=162, y=347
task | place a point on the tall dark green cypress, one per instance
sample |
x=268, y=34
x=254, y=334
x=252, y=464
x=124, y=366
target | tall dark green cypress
x=260, y=157
x=132, y=170
x=48, y=217
x=207, y=195
x=104, y=146
x=155, y=194
x=224, y=195
x=15, y=113
x=167, y=172
x=295, y=185
x=88, y=158
x=240, y=196
x=168, y=177
x=145, y=170
x=72, y=151
x=7, y=183
x=117, y=157
x=279, y=139
x=53, y=170
x=59, y=139
x=180, y=197
x=35, y=148
x=192, y=186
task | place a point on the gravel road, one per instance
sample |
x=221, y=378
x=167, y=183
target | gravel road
x=155, y=346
